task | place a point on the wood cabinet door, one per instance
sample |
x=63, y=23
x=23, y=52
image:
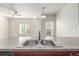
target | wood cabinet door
x=74, y=53
x=40, y=53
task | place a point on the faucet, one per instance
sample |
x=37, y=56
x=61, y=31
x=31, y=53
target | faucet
x=39, y=36
x=39, y=39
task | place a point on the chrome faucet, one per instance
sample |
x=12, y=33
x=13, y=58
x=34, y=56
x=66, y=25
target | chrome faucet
x=39, y=36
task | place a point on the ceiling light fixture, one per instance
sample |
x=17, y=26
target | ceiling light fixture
x=34, y=17
x=43, y=14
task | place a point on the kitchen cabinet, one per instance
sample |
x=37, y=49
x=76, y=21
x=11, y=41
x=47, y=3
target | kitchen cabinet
x=5, y=53
x=41, y=53
x=74, y=53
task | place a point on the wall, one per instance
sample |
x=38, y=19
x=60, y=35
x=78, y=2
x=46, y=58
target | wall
x=3, y=32
x=68, y=25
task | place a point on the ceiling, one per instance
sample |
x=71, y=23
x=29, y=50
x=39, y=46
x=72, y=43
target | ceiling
x=30, y=10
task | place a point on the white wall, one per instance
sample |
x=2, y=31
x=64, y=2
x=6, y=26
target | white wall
x=3, y=32
x=67, y=25
x=67, y=21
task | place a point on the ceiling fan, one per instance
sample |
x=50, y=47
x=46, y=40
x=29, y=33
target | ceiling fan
x=12, y=12
x=43, y=13
x=15, y=13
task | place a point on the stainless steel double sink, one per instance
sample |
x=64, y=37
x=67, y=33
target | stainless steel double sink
x=41, y=42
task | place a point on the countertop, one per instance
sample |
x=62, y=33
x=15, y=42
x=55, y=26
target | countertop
x=41, y=48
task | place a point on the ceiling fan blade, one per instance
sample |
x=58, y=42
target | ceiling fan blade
x=15, y=13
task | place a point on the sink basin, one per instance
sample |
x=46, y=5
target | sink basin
x=47, y=43
x=30, y=43
x=36, y=42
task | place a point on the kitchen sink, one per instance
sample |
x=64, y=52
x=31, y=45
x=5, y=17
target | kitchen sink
x=47, y=43
x=41, y=42
x=31, y=43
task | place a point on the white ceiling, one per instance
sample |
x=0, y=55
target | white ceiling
x=29, y=10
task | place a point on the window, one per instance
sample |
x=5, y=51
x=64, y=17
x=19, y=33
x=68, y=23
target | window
x=24, y=29
x=49, y=28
